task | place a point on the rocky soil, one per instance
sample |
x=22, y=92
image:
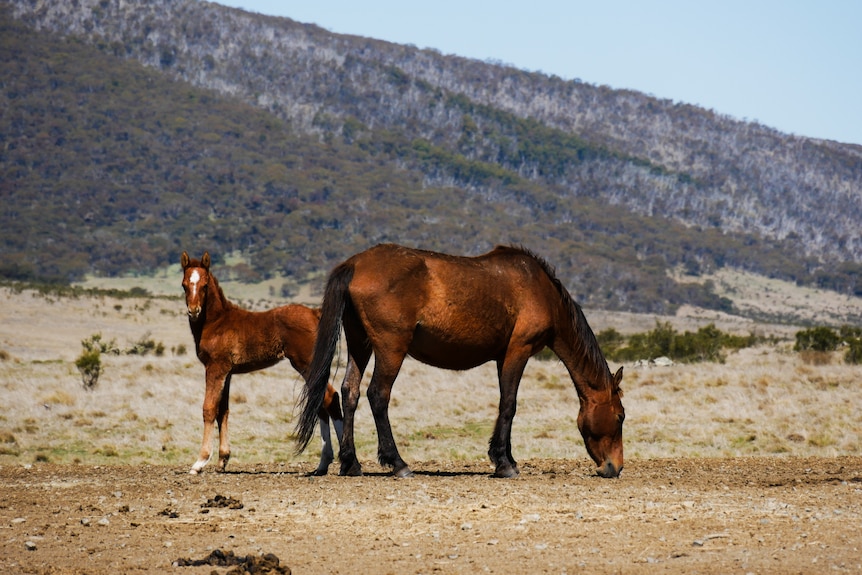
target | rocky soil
x=687, y=515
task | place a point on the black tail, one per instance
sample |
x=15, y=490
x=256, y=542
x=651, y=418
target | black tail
x=328, y=334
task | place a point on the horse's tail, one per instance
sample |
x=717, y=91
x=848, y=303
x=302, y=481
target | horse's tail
x=328, y=334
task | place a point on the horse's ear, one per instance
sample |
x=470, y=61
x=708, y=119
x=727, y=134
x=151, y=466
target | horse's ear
x=205, y=261
x=184, y=260
x=618, y=378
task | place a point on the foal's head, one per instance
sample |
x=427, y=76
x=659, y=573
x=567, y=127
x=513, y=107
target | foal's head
x=196, y=279
x=601, y=424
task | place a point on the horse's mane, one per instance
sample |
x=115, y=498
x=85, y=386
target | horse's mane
x=576, y=313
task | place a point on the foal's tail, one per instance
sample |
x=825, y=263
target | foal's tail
x=328, y=334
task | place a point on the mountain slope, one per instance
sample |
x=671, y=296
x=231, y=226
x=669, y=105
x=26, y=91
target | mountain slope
x=377, y=142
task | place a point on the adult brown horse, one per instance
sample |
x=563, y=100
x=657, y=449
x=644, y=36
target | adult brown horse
x=229, y=340
x=457, y=313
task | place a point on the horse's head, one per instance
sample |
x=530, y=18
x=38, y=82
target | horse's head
x=600, y=421
x=196, y=278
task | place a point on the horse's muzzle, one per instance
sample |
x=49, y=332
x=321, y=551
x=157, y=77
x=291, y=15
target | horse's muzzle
x=609, y=470
x=194, y=313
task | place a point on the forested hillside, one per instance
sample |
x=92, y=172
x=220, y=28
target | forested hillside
x=298, y=147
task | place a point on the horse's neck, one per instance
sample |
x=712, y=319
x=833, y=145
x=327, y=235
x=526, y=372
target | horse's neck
x=583, y=358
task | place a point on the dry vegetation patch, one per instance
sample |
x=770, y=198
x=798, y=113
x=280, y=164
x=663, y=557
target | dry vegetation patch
x=146, y=409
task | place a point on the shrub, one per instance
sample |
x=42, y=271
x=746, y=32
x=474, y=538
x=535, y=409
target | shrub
x=852, y=337
x=853, y=355
x=89, y=363
x=706, y=344
x=147, y=345
x=610, y=340
x=817, y=339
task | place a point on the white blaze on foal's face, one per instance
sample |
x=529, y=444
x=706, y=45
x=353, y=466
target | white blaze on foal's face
x=192, y=301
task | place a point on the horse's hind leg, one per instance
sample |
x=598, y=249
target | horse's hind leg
x=379, y=392
x=350, y=400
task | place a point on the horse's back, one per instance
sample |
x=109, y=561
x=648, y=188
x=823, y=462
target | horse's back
x=450, y=311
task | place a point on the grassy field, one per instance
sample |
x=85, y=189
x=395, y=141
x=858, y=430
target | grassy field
x=146, y=409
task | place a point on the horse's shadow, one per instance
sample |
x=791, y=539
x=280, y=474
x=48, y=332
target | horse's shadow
x=310, y=475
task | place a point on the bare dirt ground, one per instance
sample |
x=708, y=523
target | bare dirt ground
x=753, y=515
x=753, y=465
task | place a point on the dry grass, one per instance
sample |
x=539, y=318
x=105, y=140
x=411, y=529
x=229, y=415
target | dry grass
x=763, y=401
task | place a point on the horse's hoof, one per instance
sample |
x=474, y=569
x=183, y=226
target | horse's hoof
x=320, y=472
x=507, y=472
x=354, y=470
x=193, y=471
x=403, y=473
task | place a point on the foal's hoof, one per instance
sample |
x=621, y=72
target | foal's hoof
x=507, y=472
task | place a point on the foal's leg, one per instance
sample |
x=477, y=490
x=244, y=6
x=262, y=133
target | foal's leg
x=223, y=440
x=509, y=372
x=379, y=391
x=327, y=456
x=330, y=409
x=216, y=377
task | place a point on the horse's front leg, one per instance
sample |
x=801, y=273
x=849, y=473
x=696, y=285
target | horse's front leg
x=215, y=386
x=509, y=372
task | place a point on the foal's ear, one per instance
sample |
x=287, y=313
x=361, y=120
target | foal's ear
x=184, y=260
x=205, y=261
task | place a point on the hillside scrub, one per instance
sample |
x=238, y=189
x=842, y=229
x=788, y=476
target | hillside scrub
x=706, y=344
x=824, y=339
x=300, y=157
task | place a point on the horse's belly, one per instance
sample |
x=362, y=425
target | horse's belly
x=449, y=352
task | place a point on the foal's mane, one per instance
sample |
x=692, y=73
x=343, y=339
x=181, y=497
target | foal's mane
x=584, y=334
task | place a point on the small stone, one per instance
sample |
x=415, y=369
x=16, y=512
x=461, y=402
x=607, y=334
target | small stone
x=104, y=522
x=85, y=521
x=30, y=545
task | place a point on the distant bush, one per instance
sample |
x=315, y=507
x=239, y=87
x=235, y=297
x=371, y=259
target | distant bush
x=89, y=363
x=824, y=339
x=852, y=337
x=706, y=344
x=853, y=354
x=817, y=339
x=147, y=345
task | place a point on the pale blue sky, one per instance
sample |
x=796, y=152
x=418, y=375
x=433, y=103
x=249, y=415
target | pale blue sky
x=790, y=64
